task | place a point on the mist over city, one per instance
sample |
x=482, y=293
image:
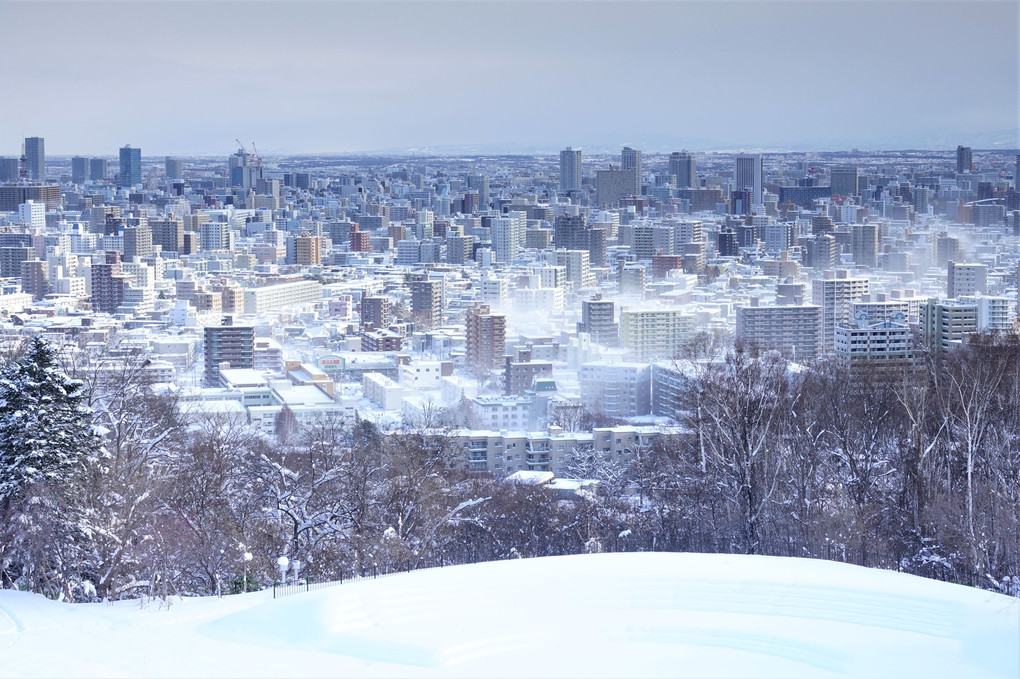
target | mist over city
x=509, y=339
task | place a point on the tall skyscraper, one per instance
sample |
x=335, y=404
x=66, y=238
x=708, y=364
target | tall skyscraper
x=174, y=168
x=631, y=160
x=79, y=170
x=964, y=159
x=35, y=152
x=843, y=180
x=570, y=169
x=130, y=167
x=99, y=168
x=681, y=166
x=748, y=174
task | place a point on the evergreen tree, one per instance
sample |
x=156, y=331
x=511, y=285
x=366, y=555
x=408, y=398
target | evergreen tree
x=45, y=428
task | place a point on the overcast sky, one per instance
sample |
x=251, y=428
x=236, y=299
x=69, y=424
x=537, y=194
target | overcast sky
x=189, y=77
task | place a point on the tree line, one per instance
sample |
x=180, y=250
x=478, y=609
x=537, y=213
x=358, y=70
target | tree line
x=111, y=487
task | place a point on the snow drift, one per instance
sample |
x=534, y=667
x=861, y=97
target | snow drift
x=584, y=616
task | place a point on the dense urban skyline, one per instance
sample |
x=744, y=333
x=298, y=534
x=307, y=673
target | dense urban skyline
x=336, y=77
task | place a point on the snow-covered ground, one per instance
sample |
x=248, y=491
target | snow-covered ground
x=584, y=616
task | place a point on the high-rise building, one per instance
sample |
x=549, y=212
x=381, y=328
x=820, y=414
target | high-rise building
x=681, y=166
x=375, y=311
x=35, y=154
x=843, y=180
x=233, y=345
x=834, y=294
x=108, y=283
x=481, y=183
x=506, y=238
x=168, y=234
x=631, y=161
x=574, y=233
x=308, y=249
x=655, y=334
x=99, y=169
x=79, y=170
x=137, y=242
x=427, y=302
x=748, y=174
x=485, y=337
x=613, y=185
x=964, y=159
x=598, y=320
x=8, y=169
x=795, y=331
x=966, y=279
x=130, y=167
x=570, y=169
x=174, y=168
x=864, y=241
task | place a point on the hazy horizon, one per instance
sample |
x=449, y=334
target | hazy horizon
x=187, y=78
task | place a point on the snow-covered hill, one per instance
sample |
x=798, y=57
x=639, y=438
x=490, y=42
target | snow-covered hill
x=584, y=616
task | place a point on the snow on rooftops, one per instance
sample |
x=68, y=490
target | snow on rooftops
x=526, y=478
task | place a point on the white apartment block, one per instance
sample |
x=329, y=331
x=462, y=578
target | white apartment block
x=834, y=294
x=795, y=331
x=655, y=334
x=617, y=389
x=276, y=297
x=884, y=341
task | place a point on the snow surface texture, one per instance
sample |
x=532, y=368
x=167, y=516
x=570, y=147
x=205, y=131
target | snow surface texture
x=581, y=616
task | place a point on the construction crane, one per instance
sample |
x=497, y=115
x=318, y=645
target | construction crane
x=256, y=158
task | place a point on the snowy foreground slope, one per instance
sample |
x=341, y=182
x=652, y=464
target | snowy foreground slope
x=585, y=616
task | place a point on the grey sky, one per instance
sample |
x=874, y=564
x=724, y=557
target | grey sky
x=189, y=77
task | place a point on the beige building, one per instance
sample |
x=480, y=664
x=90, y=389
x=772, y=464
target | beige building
x=655, y=334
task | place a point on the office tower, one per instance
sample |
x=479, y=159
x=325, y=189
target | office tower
x=864, y=242
x=130, y=167
x=598, y=320
x=834, y=294
x=966, y=279
x=35, y=154
x=681, y=166
x=137, y=242
x=485, y=337
x=613, y=185
x=233, y=345
x=79, y=170
x=843, y=180
x=748, y=172
x=964, y=159
x=375, y=311
x=174, y=168
x=570, y=170
x=1016, y=174
x=573, y=233
x=481, y=183
x=631, y=160
x=8, y=169
x=794, y=331
x=99, y=169
x=308, y=250
x=13, y=195
x=427, y=303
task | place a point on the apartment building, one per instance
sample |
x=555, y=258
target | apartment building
x=795, y=331
x=655, y=334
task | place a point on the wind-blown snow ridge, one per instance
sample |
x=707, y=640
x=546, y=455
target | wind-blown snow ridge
x=585, y=616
